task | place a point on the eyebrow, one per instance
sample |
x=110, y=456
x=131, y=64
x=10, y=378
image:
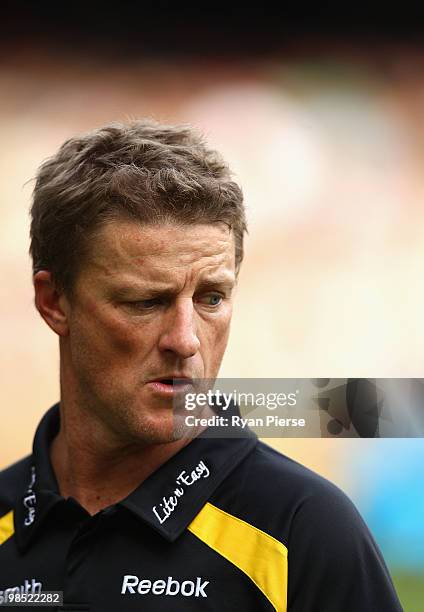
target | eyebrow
x=225, y=282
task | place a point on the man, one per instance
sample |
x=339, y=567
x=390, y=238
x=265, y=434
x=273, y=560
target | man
x=137, y=239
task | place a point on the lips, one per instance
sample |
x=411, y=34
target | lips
x=174, y=379
x=170, y=385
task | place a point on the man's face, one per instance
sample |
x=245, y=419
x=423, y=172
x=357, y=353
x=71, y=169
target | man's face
x=151, y=302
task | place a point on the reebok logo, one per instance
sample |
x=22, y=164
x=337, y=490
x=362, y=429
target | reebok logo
x=132, y=585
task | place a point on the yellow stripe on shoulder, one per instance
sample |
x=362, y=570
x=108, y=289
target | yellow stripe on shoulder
x=260, y=556
x=6, y=527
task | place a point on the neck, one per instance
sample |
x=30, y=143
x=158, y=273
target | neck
x=97, y=469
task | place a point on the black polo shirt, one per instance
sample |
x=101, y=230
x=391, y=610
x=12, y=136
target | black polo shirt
x=224, y=525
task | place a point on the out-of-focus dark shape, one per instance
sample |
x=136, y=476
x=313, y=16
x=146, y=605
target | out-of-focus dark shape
x=164, y=27
x=363, y=406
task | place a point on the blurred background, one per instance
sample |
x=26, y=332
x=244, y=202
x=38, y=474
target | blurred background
x=322, y=121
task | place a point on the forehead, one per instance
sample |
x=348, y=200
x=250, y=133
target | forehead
x=125, y=249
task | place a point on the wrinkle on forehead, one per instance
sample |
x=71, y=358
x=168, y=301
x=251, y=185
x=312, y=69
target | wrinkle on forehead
x=158, y=252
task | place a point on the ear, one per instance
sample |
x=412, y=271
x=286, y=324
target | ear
x=51, y=303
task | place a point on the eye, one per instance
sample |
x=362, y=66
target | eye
x=144, y=304
x=211, y=299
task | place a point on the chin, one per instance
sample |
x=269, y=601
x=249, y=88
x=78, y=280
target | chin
x=157, y=431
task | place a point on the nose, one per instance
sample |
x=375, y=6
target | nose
x=179, y=334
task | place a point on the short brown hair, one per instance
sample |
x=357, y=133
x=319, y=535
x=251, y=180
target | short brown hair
x=141, y=170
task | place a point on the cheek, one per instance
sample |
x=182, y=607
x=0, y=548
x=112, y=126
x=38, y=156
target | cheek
x=122, y=339
x=216, y=336
x=107, y=334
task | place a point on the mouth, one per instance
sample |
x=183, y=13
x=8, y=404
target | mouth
x=171, y=386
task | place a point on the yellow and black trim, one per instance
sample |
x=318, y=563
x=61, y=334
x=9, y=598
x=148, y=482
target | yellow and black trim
x=260, y=556
x=7, y=528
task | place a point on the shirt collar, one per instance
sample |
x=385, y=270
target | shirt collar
x=173, y=495
x=41, y=491
x=167, y=501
